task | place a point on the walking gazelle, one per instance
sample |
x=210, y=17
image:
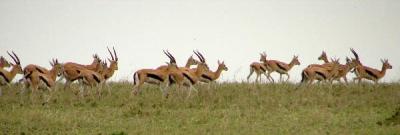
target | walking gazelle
x=312, y=73
x=365, y=72
x=34, y=79
x=7, y=76
x=260, y=68
x=158, y=77
x=282, y=68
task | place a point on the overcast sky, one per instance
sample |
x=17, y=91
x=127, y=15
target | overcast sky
x=235, y=31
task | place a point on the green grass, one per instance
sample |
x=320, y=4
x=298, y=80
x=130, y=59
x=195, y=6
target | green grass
x=233, y=108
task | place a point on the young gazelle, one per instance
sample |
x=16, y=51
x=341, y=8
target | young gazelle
x=310, y=74
x=34, y=79
x=364, y=72
x=160, y=77
x=328, y=65
x=209, y=76
x=260, y=68
x=7, y=76
x=281, y=67
x=4, y=63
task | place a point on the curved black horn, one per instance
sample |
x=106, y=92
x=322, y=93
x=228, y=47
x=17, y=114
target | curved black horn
x=355, y=54
x=204, y=59
x=19, y=62
x=112, y=56
x=115, y=54
x=12, y=57
x=173, y=58
x=198, y=56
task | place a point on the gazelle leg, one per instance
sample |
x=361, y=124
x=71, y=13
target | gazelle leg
x=251, y=73
x=288, y=76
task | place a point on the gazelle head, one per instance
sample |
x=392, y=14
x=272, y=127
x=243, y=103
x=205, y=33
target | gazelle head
x=17, y=64
x=202, y=64
x=192, y=61
x=356, y=55
x=172, y=61
x=295, y=60
x=386, y=64
x=57, y=66
x=96, y=58
x=222, y=65
x=323, y=56
x=4, y=62
x=263, y=57
x=114, y=59
x=351, y=62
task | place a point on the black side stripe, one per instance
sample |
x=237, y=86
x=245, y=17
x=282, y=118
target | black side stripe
x=281, y=67
x=4, y=76
x=371, y=73
x=40, y=70
x=321, y=74
x=263, y=68
x=188, y=77
x=207, y=77
x=155, y=77
x=96, y=78
x=45, y=81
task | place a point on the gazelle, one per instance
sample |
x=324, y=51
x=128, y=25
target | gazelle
x=109, y=71
x=71, y=70
x=364, y=72
x=281, y=67
x=35, y=78
x=4, y=63
x=345, y=69
x=310, y=74
x=193, y=76
x=260, y=68
x=92, y=78
x=159, y=77
x=210, y=76
x=7, y=76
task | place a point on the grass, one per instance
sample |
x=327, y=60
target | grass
x=231, y=108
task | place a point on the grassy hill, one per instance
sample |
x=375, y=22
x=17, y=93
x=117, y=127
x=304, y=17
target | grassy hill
x=231, y=108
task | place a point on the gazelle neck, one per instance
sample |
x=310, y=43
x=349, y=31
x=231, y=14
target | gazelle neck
x=291, y=64
x=383, y=71
x=218, y=72
x=53, y=73
x=13, y=73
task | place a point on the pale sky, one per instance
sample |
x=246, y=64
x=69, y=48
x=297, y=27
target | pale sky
x=235, y=31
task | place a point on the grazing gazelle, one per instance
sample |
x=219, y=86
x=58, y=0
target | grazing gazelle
x=159, y=77
x=210, y=76
x=281, y=67
x=310, y=74
x=34, y=79
x=260, y=68
x=364, y=72
x=7, y=76
x=4, y=63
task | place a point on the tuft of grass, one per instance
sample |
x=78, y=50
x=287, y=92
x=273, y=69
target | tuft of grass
x=227, y=108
